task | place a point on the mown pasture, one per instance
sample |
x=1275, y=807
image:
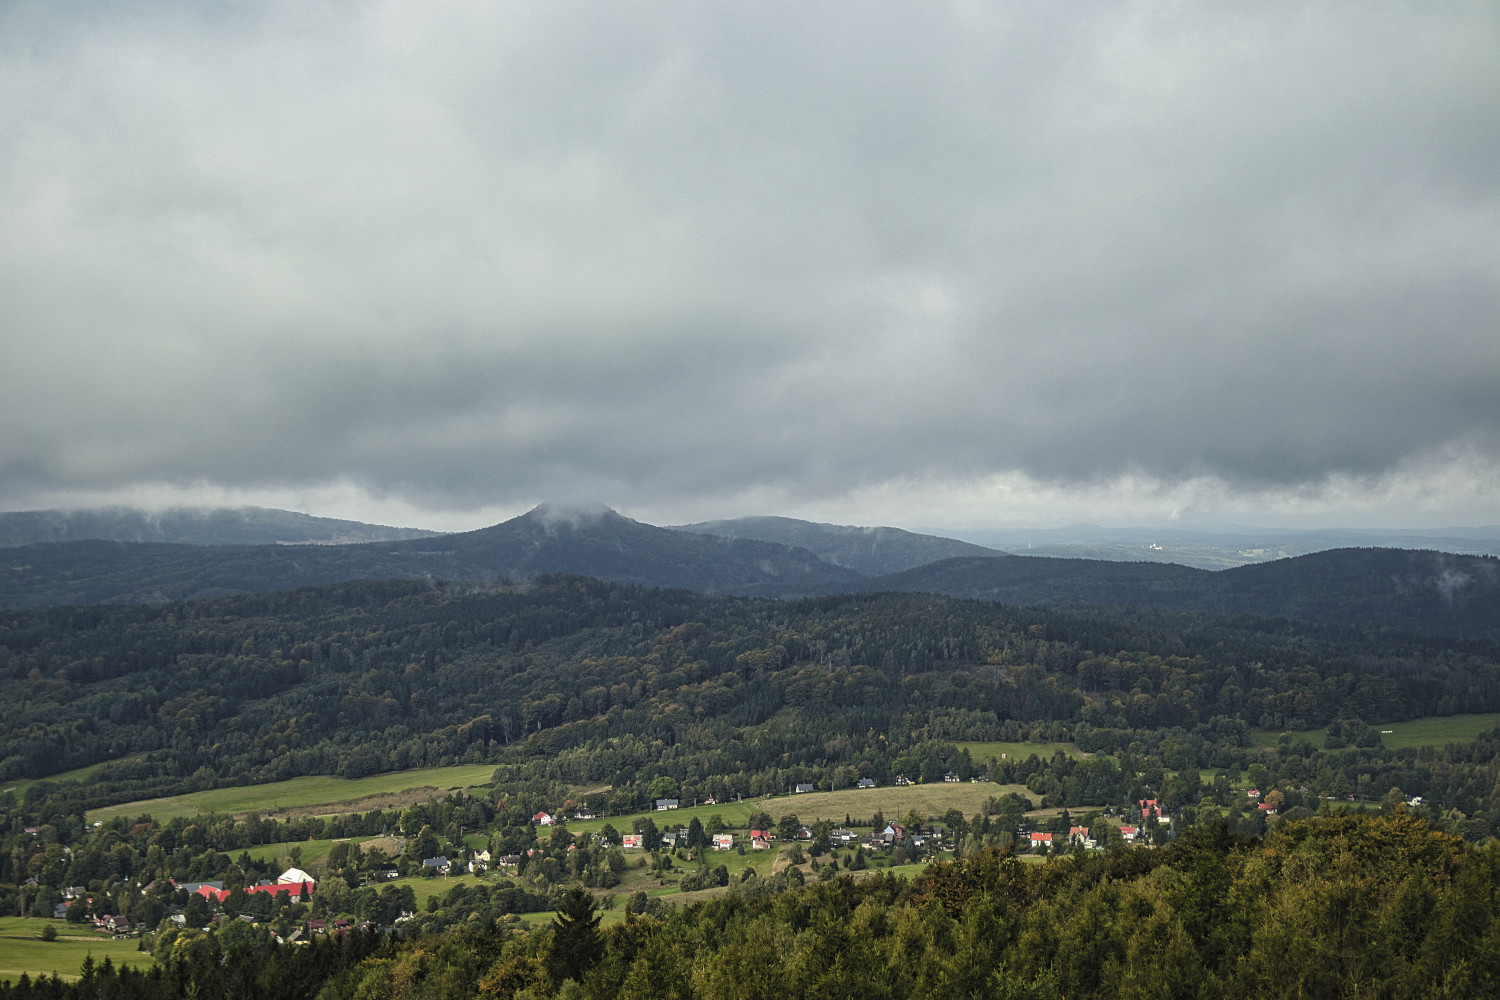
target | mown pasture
x=982, y=750
x=77, y=774
x=1428, y=731
x=319, y=795
x=23, y=950
x=858, y=804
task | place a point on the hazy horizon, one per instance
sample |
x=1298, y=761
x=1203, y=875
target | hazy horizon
x=969, y=532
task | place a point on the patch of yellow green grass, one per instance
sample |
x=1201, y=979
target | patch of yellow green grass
x=859, y=804
x=425, y=888
x=980, y=751
x=23, y=950
x=1428, y=731
x=313, y=852
x=77, y=774
x=1434, y=730
x=324, y=795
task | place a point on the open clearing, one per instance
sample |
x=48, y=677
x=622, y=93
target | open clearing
x=981, y=751
x=1428, y=731
x=23, y=950
x=314, y=852
x=859, y=804
x=77, y=774
x=320, y=795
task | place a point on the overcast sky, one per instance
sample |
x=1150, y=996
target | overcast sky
x=960, y=264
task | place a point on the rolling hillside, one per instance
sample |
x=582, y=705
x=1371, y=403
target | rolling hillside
x=191, y=526
x=872, y=551
x=1422, y=591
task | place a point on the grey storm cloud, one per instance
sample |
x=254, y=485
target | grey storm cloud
x=481, y=252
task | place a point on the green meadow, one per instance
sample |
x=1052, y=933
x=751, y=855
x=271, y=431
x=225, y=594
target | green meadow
x=980, y=751
x=859, y=804
x=641, y=879
x=324, y=795
x=77, y=774
x=1429, y=731
x=23, y=950
x=312, y=853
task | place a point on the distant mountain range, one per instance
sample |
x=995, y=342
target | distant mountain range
x=192, y=526
x=1222, y=546
x=1427, y=591
x=1436, y=592
x=871, y=551
x=550, y=539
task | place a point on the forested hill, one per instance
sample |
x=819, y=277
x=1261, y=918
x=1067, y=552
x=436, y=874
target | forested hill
x=191, y=526
x=597, y=683
x=1425, y=591
x=599, y=543
x=872, y=551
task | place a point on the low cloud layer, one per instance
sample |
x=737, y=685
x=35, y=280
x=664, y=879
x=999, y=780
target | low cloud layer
x=680, y=257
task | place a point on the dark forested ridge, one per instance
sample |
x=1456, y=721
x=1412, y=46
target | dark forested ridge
x=1401, y=588
x=190, y=526
x=871, y=551
x=1422, y=591
x=597, y=543
x=587, y=681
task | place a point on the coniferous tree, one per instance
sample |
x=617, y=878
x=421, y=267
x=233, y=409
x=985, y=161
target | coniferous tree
x=575, y=936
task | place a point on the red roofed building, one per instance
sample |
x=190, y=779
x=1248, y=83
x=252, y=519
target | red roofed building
x=293, y=890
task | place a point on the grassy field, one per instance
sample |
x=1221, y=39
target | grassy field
x=860, y=804
x=23, y=950
x=321, y=795
x=314, y=852
x=979, y=752
x=426, y=888
x=636, y=879
x=77, y=774
x=1431, y=730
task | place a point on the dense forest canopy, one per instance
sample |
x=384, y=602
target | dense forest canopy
x=576, y=680
x=1331, y=906
x=571, y=691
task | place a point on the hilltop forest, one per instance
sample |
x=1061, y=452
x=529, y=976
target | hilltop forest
x=577, y=681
